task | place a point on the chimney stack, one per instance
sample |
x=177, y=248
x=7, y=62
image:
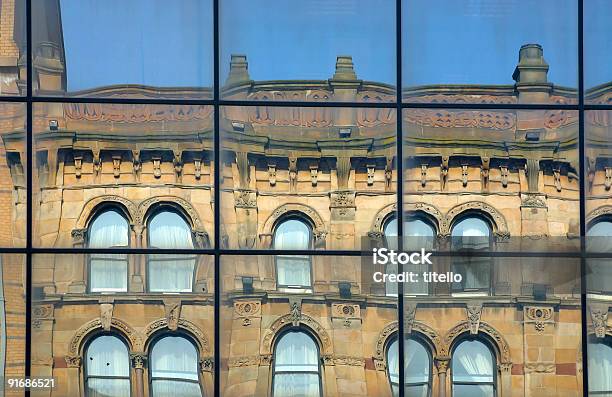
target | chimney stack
x=344, y=68
x=239, y=70
x=531, y=75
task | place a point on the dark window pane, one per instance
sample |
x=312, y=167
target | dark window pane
x=136, y=49
x=310, y=50
x=490, y=51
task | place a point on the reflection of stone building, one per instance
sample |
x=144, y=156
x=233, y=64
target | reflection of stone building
x=301, y=177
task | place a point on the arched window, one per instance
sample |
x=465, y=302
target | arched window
x=599, y=271
x=174, y=368
x=296, y=366
x=107, y=368
x=600, y=367
x=108, y=272
x=472, y=233
x=417, y=368
x=293, y=271
x=170, y=272
x=473, y=370
x=418, y=233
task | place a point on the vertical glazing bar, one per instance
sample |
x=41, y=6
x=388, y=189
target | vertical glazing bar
x=217, y=207
x=29, y=156
x=582, y=153
x=400, y=188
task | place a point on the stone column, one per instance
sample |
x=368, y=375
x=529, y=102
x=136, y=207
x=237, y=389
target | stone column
x=505, y=375
x=137, y=283
x=138, y=363
x=442, y=367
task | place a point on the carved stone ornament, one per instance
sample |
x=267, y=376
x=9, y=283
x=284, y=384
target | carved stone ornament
x=173, y=312
x=463, y=327
x=444, y=172
x=599, y=317
x=136, y=164
x=474, y=311
x=295, y=311
x=139, y=360
x=134, y=338
x=504, y=176
x=423, y=175
x=342, y=199
x=272, y=174
x=371, y=168
x=442, y=364
x=293, y=174
x=245, y=199
x=246, y=311
x=78, y=166
x=197, y=168
x=177, y=162
x=591, y=168
x=117, y=165
x=207, y=364
x=314, y=173
x=343, y=171
x=531, y=200
x=539, y=316
x=78, y=236
x=557, y=178
x=608, y=178
x=464, y=175
x=244, y=361
x=97, y=163
x=73, y=361
x=388, y=173
x=484, y=172
x=410, y=309
x=289, y=320
x=540, y=368
x=156, y=167
x=106, y=315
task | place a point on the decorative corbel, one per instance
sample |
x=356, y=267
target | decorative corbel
x=423, y=175
x=117, y=165
x=97, y=163
x=504, y=175
x=484, y=172
x=177, y=162
x=444, y=172
x=532, y=171
x=464, y=175
x=371, y=169
x=106, y=313
x=557, y=178
x=78, y=166
x=139, y=360
x=409, y=316
x=293, y=174
x=78, y=237
x=591, y=162
x=242, y=162
x=272, y=174
x=197, y=168
x=608, y=180
x=295, y=309
x=314, y=173
x=173, y=312
x=389, y=173
x=474, y=311
x=136, y=164
x=343, y=171
x=156, y=167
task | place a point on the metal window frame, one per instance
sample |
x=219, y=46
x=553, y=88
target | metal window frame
x=217, y=251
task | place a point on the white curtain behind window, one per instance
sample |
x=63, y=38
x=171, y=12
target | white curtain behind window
x=174, y=368
x=107, y=367
x=108, y=272
x=472, y=362
x=296, y=366
x=416, y=368
x=170, y=273
x=600, y=368
x=472, y=234
x=293, y=270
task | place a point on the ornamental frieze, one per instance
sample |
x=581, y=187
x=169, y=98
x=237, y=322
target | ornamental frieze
x=136, y=113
